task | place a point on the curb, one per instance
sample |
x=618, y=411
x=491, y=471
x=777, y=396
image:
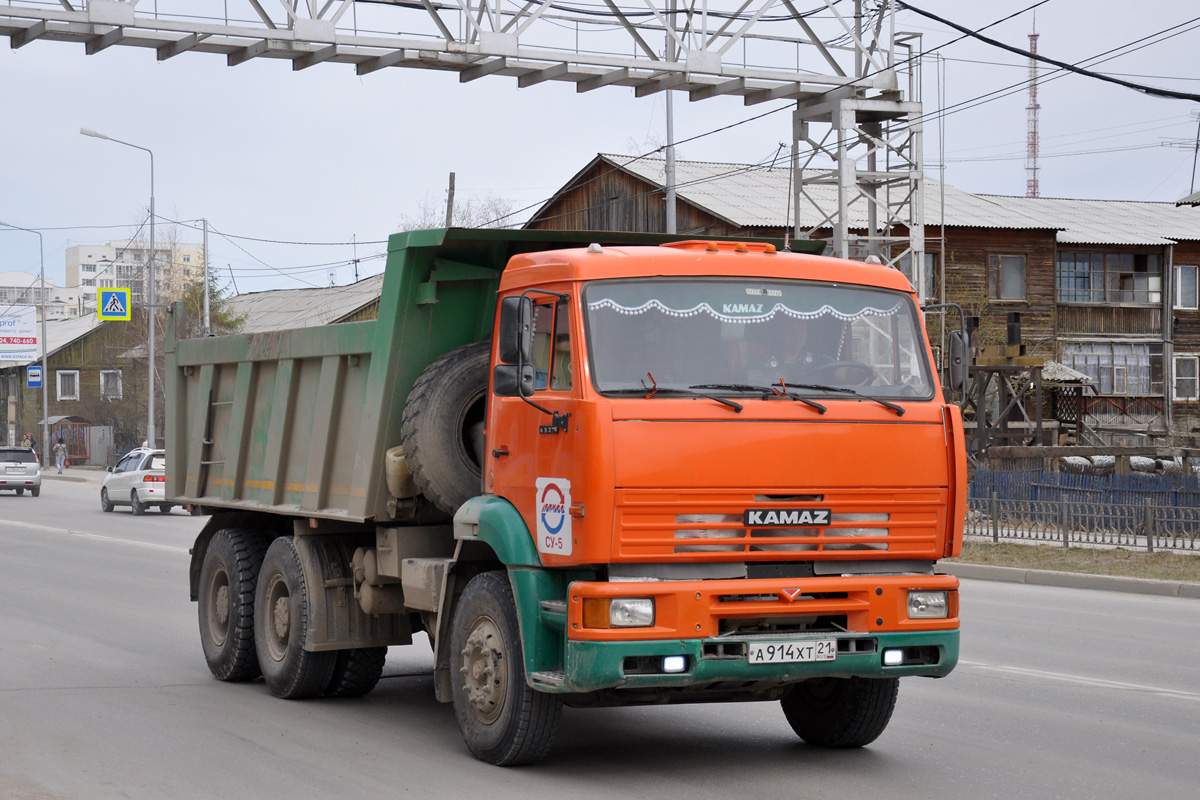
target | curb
x=57, y=477
x=1073, y=580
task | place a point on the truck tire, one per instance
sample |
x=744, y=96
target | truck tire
x=281, y=626
x=841, y=712
x=228, y=580
x=441, y=431
x=356, y=671
x=502, y=720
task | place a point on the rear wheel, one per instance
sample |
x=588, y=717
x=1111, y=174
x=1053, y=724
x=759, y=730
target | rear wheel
x=35, y=491
x=502, y=719
x=841, y=712
x=20, y=492
x=139, y=507
x=356, y=672
x=105, y=503
x=165, y=509
x=281, y=626
x=228, y=581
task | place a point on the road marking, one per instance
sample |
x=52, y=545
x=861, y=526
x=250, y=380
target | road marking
x=97, y=537
x=1097, y=683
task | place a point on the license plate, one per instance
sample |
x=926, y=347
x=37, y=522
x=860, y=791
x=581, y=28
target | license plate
x=791, y=652
x=15, y=470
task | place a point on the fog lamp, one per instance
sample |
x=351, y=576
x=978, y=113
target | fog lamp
x=674, y=664
x=928, y=605
x=893, y=657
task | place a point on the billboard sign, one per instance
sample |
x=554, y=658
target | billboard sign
x=18, y=334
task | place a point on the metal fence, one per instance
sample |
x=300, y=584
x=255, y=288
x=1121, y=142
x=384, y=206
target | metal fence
x=1147, y=526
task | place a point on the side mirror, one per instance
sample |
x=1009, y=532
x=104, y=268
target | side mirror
x=516, y=330
x=110, y=469
x=957, y=372
x=506, y=382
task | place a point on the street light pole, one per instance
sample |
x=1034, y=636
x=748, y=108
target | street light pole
x=45, y=343
x=150, y=264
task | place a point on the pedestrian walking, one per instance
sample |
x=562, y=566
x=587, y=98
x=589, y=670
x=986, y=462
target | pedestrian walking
x=60, y=455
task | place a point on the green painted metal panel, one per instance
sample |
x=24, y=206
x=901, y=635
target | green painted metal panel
x=599, y=665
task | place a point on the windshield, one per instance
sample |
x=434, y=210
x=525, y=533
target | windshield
x=731, y=335
x=21, y=456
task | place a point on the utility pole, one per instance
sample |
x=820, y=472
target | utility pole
x=207, y=318
x=450, y=203
x=669, y=179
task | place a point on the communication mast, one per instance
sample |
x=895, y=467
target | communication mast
x=1031, y=151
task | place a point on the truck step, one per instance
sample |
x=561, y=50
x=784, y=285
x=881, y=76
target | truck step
x=549, y=679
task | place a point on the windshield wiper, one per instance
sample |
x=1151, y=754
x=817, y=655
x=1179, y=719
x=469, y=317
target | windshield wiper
x=685, y=392
x=767, y=391
x=818, y=387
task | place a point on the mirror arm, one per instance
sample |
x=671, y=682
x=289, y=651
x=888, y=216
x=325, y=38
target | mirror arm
x=558, y=421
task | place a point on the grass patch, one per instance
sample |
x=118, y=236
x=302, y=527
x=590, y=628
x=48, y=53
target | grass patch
x=1088, y=560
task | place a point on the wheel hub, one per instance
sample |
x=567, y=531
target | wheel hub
x=280, y=618
x=221, y=606
x=485, y=680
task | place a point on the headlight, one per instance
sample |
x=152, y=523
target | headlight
x=928, y=605
x=620, y=612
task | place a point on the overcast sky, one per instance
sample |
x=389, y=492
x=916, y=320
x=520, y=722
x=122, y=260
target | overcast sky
x=322, y=155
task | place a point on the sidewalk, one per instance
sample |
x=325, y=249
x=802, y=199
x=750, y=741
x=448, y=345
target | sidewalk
x=75, y=474
x=1072, y=580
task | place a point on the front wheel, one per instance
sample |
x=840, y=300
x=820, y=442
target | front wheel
x=165, y=509
x=502, y=720
x=281, y=624
x=841, y=712
x=105, y=503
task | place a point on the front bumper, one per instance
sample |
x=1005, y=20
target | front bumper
x=593, y=666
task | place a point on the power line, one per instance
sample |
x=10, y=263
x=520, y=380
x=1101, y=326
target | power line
x=1150, y=90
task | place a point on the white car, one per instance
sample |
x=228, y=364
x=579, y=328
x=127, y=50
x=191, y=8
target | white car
x=138, y=480
x=20, y=470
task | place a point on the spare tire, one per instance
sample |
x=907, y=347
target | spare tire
x=442, y=428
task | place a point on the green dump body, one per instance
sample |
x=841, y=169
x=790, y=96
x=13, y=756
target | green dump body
x=297, y=422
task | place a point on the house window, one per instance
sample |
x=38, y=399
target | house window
x=110, y=384
x=1085, y=277
x=89, y=281
x=187, y=259
x=1186, y=290
x=1187, y=378
x=68, y=384
x=1006, y=277
x=1133, y=369
x=89, y=267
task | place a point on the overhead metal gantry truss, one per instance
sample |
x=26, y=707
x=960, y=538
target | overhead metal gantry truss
x=757, y=49
x=823, y=55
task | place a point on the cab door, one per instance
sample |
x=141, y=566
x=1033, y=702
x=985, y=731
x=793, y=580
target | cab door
x=533, y=454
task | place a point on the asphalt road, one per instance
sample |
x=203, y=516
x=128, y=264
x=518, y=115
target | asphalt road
x=1062, y=693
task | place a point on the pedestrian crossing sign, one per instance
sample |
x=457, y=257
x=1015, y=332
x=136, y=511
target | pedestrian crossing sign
x=113, y=304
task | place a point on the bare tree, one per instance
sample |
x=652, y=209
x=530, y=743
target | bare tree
x=478, y=211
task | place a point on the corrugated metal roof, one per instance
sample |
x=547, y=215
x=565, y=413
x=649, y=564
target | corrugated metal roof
x=284, y=309
x=756, y=195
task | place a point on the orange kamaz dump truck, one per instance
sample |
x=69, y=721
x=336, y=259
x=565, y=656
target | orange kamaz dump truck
x=596, y=470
